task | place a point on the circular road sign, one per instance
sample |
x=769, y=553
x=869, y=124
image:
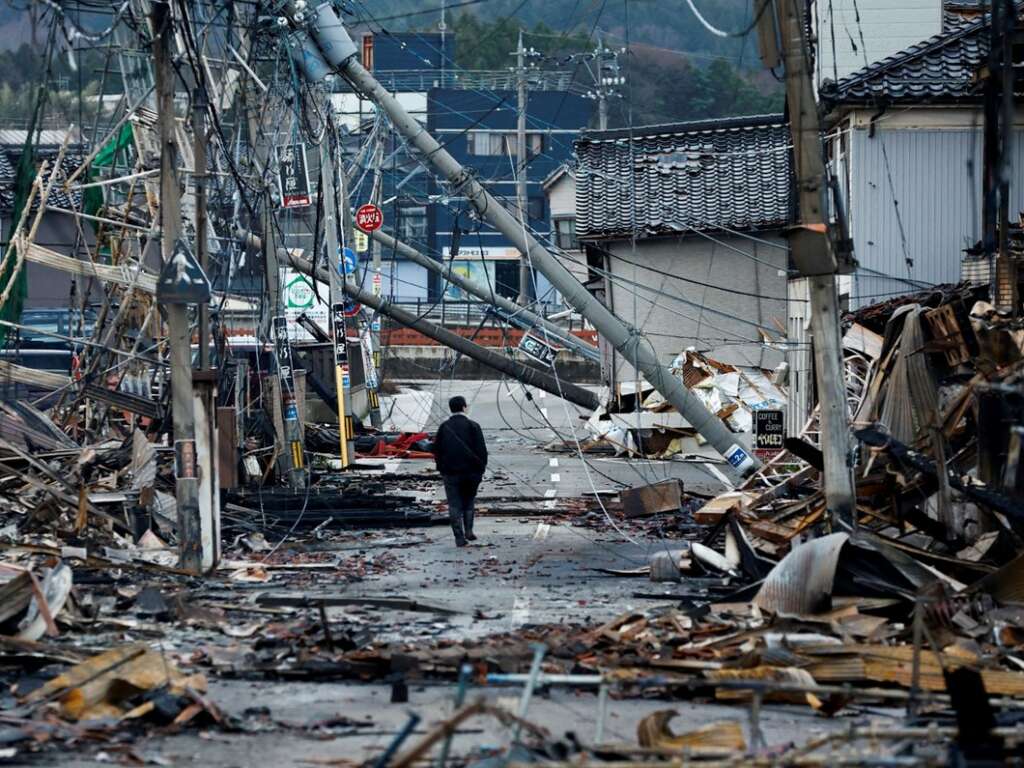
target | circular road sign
x=349, y=262
x=369, y=217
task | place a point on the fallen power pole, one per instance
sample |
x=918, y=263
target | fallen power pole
x=340, y=52
x=814, y=251
x=520, y=316
x=527, y=374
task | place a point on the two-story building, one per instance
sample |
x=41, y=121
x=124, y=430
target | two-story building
x=474, y=115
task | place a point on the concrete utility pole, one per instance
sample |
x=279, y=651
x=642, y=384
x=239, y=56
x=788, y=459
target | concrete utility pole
x=815, y=252
x=377, y=279
x=519, y=316
x=327, y=179
x=529, y=375
x=199, y=103
x=605, y=73
x=186, y=484
x=340, y=52
x=521, y=198
x=292, y=458
x=999, y=114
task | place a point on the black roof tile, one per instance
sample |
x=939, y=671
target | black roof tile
x=941, y=69
x=708, y=175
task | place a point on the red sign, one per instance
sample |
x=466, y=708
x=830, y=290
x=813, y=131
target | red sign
x=369, y=217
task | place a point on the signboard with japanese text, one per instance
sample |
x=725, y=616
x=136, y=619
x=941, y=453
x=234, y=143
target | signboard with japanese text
x=769, y=433
x=283, y=352
x=369, y=217
x=338, y=328
x=362, y=241
x=538, y=349
x=301, y=295
x=293, y=176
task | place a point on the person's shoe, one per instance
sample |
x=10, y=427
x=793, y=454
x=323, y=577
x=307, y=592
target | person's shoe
x=470, y=537
x=460, y=543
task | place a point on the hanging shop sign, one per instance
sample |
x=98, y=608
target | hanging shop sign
x=293, y=176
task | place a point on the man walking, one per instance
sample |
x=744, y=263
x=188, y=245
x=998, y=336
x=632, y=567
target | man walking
x=461, y=456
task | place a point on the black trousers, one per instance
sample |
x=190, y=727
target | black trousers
x=461, y=493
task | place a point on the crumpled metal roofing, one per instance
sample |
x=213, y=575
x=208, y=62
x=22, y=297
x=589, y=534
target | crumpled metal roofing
x=941, y=69
x=707, y=175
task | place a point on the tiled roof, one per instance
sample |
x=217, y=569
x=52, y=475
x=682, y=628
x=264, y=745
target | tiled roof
x=6, y=183
x=58, y=197
x=708, y=175
x=941, y=69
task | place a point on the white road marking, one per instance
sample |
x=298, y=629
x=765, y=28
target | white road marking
x=555, y=477
x=552, y=462
x=550, y=504
x=521, y=607
x=542, y=532
x=550, y=493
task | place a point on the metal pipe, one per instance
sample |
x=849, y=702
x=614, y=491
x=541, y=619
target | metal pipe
x=465, y=671
x=627, y=340
x=539, y=649
x=517, y=315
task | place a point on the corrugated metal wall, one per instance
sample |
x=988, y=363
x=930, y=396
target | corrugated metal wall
x=933, y=178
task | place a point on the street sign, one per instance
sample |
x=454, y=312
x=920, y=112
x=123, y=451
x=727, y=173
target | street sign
x=299, y=293
x=293, y=176
x=338, y=324
x=283, y=352
x=182, y=280
x=769, y=433
x=369, y=217
x=349, y=262
x=362, y=242
x=538, y=349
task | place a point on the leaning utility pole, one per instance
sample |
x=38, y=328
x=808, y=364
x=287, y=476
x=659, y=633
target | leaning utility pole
x=528, y=374
x=199, y=104
x=519, y=316
x=521, y=200
x=339, y=50
x=818, y=254
x=179, y=334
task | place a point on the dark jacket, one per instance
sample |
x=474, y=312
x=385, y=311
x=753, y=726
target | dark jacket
x=459, y=447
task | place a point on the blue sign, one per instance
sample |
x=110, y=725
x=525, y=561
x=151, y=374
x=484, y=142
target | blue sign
x=349, y=262
x=738, y=458
x=291, y=412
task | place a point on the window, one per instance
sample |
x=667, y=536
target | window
x=493, y=143
x=412, y=224
x=565, y=233
x=535, y=208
